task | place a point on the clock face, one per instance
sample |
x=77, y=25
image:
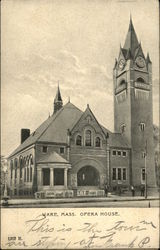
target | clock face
x=140, y=62
x=121, y=64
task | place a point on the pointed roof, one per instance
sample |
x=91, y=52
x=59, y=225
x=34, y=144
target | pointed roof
x=54, y=129
x=148, y=58
x=131, y=41
x=87, y=112
x=58, y=97
x=139, y=51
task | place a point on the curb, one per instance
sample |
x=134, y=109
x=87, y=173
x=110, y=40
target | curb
x=52, y=201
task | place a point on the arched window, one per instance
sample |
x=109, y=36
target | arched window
x=88, y=138
x=24, y=161
x=11, y=165
x=27, y=174
x=122, y=82
x=27, y=161
x=15, y=173
x=30, y=173
x=98, y=142
x=140, y=79
x=15, y=163
x=21, y=166
x=31, y=159
x=79, y=140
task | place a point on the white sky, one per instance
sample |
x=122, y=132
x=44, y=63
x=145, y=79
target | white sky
x=75, y=42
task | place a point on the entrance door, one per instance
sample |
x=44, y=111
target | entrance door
x=88, y=176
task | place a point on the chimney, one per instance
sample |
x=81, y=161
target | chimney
x=25, y=133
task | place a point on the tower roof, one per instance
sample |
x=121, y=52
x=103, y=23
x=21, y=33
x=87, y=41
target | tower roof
x=131, y=41
x=58, y=97
x=148, y=58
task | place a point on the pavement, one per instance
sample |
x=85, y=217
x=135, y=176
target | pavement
x=110, y=198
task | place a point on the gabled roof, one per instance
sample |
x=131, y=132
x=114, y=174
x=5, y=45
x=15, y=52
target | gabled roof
x=54, y=129
x=86, y=113
x=116, y=139
x=52, y=157
x=131, y=41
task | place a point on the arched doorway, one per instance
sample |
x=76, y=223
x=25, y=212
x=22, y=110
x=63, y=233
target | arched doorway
x=88, y=176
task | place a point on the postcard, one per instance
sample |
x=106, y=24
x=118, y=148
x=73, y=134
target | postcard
x=80, y=124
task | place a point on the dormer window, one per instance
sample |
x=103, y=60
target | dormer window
x=79, y=140
x=98, y=142
x=88, y=138
x=44, y=149
x=142, y=126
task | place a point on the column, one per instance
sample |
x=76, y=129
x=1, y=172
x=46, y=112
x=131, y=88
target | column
x=65, y=177
x=51, y=177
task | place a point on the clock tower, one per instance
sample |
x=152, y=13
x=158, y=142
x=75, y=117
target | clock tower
x=132, y=76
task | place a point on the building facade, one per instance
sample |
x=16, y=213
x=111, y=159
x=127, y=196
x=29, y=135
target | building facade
x=72, y=154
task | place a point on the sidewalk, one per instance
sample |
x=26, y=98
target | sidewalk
x=110, y=198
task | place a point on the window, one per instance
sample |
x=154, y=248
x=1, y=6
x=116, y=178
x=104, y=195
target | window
x=27, y=161
x=143, y=174
x=79, y=140
x=58, y=176
x=114, y=174
x=143, y=154
x=124, y=153
x=27, y=174
x=21, y=166
x=113, y=152
x=142, y=126
x=123, y=128
x=119, y=153
x=31, y=159
x=119, y=173
x=15, y=163
x=61, y=150
x=30, y=173
x=44, y=149
x=88, y=138
x=46, y=177
x=15, y=173
x=98, y=142
x=11, y=165
x=122, y=82
x=140, y=79
x=124, y=174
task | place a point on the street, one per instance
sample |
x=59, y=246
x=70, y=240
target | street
x=139, y=203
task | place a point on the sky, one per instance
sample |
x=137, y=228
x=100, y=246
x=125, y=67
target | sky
x=74, y=42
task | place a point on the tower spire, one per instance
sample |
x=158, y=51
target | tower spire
x=58, y=103
x=131, y=41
